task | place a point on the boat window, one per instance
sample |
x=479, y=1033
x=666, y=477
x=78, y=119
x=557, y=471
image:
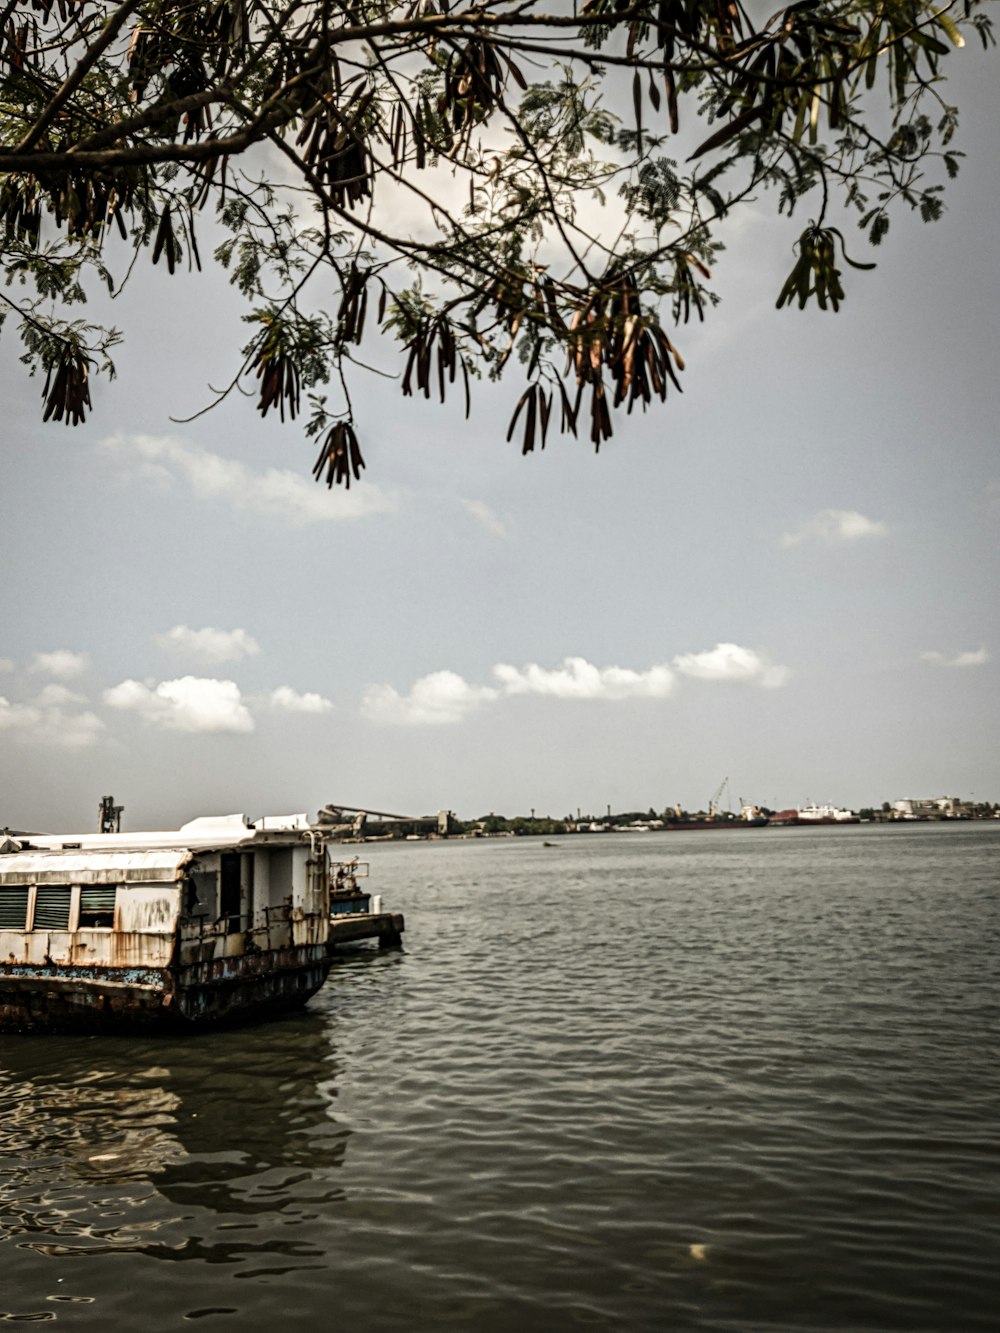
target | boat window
x=199, y=898
x=229, y=889
x=13, y=906
x=97, y=906
x=52, y=903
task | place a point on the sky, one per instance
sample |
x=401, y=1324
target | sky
x=786, y=577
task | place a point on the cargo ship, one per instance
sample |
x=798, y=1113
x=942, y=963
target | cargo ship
x=814, y=814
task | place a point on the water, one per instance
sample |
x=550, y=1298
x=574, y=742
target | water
x=647, y=1082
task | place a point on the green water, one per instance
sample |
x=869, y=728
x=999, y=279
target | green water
x=635, y=1082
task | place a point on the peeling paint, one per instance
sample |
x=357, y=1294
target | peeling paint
x=55, y=997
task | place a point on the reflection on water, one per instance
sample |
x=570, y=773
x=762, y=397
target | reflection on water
x=646, y=1083
x=114, y=1144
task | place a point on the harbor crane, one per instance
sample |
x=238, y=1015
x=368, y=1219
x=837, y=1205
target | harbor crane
x=352, y=818
x=713, y=805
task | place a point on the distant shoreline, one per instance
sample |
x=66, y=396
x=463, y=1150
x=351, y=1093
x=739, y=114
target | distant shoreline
x=736, y=825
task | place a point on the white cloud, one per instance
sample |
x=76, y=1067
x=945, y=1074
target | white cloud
x=437, y=699
x=484, y=515
x=444, y=696
x=833, y=526
x=46, y=720
x=287, y=700
x=274, y=492
x=70, y=731
x=208, y=645
x=579, y=679
x=969, y=659
x=191, y=703
x=6, y=664
x=57, y=696
x=730, y=662
x=61, y=663
x=14, y=716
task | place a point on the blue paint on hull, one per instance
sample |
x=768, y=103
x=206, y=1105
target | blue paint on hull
x=58, y=998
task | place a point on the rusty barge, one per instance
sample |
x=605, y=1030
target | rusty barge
x=218, y=921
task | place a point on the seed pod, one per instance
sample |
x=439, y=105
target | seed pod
x=66, y=391
x=340, y=456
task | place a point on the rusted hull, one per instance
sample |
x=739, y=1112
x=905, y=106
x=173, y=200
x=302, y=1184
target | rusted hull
x=254, y=986
x=58, y=998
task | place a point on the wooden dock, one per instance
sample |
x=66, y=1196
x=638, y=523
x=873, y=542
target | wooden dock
x=386, y=927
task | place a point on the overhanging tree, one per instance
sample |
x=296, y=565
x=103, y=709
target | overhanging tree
x=488, y=184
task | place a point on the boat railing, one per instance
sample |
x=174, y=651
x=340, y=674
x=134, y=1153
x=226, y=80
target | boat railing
x=235, y=923
x=345, y=874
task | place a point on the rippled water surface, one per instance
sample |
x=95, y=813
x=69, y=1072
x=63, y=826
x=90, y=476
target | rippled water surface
x=660, y=1081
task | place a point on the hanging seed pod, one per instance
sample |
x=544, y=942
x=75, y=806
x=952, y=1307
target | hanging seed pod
x=279, y=384
x=600, y=417
x=67, y=391
x=353, y=306
x=166, y=243
x=538, y=406
x=421, y=356
x=277, y=370
x=339, y=456
x=20, y=209
x=567, y=418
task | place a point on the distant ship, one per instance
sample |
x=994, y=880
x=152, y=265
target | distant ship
x=750, y=816
x=815, y=814
x=703, y=825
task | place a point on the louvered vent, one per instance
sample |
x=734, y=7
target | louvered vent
x=13, y=906
x=97, y=905
x=52, y=906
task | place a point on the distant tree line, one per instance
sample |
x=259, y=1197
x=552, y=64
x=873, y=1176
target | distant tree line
x=494, y=825
x=520, y=825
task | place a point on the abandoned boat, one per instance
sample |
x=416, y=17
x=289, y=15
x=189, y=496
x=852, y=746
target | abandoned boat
x=220, y=920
